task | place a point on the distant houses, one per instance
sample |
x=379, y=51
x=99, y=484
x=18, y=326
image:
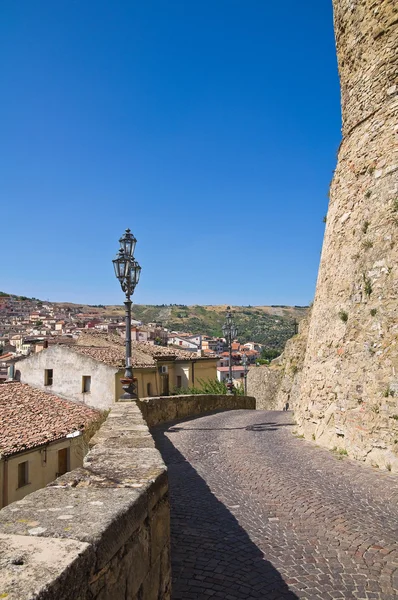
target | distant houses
x=90, y=371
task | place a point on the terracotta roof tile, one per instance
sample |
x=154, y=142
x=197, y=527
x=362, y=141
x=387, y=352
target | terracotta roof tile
x=143, y=353
x=31, y=417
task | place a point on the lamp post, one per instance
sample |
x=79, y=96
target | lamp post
x=127, y=270
x=230, y=332
x=246, y=368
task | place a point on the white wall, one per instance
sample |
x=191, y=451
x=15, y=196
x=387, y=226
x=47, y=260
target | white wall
x=68, y=369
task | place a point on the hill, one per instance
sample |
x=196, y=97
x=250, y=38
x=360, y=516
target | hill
x=268, y=325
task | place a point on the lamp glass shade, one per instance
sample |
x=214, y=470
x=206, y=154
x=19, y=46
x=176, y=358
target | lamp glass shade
x=127, y=243
x=121, y=265
x=135, y=273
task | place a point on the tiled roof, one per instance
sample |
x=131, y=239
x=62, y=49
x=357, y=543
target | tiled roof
x=144, y=353
x=115, y=356
x=31, y=417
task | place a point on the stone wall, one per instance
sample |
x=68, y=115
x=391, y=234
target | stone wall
x=277, y=386
x=349, y=383
x=263, y=383
x=100, y=532
x=169, y=408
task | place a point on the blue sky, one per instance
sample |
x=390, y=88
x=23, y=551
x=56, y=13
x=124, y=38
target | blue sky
x=210, y=128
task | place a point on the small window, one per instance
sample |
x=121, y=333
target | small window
x=148, y=389
x=179, y=381
x=23, y=474
x=48, y=377
x=63, y=461
x=86, y=384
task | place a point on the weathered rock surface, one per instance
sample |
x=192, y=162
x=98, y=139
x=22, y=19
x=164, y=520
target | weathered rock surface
x=278, y=385
x=349, y=385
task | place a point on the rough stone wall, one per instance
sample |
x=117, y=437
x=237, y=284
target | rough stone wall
x=100, y=532
x=292, y=362
x=263, y=383
x=349, y=387
x=169, y=408
x=277, y=386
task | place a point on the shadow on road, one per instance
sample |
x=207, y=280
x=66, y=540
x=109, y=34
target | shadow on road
x=212, y=555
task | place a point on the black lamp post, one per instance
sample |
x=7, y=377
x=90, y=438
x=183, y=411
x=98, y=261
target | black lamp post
x=246, y=368
x=127, y=270
x=230, y=332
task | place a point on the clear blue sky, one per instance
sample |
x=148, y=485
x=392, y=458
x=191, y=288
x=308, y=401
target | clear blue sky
x=209, y=127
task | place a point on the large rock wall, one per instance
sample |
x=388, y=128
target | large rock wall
x=263, y=383
x=277, y=386
x=349, y=384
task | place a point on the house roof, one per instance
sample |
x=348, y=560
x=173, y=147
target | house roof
x=143, y=353
x=31, y=417
x=234, y=368
x=115, y=355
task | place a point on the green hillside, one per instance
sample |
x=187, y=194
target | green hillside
x=269, y=325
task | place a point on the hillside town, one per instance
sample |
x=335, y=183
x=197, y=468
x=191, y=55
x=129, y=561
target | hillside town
x=27, y=326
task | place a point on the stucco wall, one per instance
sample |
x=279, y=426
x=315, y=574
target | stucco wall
x=68, y=369
x=169, y=408
x=42, y=468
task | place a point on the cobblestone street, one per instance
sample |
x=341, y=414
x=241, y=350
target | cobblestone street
x=259, y=513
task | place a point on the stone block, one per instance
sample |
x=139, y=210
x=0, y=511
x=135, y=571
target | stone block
x=159, y=525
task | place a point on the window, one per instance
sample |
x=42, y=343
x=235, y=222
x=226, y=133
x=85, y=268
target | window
x=48, y=376
x=63, y=461
x=23, y=474
x=86, y=384
x=148, y=389
x=179, y=381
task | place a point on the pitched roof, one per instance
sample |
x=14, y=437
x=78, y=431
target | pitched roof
x=144, y=353
x=115, y=356
x=31, y=417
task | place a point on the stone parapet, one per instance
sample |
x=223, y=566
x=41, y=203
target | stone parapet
x=169, y=408
x=100, y=532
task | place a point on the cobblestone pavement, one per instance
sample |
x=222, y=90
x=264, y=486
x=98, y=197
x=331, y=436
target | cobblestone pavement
x=259, y=513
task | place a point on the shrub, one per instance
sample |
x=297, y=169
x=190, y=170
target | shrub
x=367, y=285
x=373, y=311
x=208, y=386
x=365, y=226
x=343, y=316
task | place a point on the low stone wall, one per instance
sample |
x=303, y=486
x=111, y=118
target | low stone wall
x=169, y=408
x=100, y=532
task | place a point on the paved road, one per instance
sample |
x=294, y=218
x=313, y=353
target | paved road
x=258, y=513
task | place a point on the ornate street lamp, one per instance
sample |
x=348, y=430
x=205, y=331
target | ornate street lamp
x=230, y=332
x=128, y=271
x=245, y=364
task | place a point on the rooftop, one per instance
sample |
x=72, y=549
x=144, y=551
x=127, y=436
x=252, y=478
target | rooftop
x=31, y=417
x=143, y=353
